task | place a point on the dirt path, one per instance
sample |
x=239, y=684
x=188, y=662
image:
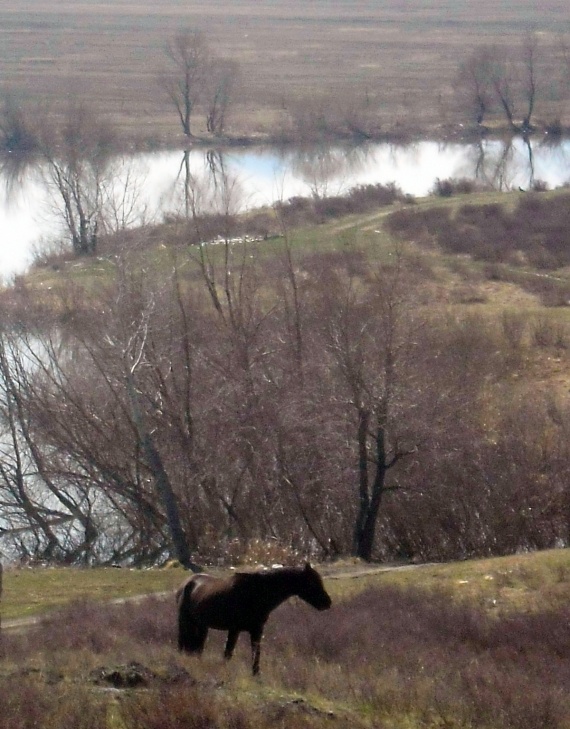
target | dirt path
x=369, y=222
x=16, y=624
x=354, y=572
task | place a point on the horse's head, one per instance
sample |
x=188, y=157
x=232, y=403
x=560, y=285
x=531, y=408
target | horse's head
x=312, y=590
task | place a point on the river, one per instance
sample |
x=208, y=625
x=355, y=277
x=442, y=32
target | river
x=149, y=186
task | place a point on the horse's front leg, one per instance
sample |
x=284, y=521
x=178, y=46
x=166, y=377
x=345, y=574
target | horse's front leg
x=233, y=635
x=255, y=636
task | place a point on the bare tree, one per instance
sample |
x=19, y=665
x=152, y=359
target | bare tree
x=473, y=85
x=76, y=158
x=514, y=82
x=367, y=336
x=189, y=56
x=52, y=514
x=17, y=135
x=198, y=77
x=222, y=79
x=498, y=77
x=129, y=358
x=504, y=82
x=529, y=79
x=102, y=431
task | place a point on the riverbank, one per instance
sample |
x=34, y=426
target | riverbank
x=263, y=175
x=459, y=133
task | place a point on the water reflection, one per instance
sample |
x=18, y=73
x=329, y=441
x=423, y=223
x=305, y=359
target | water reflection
x=146, y=187
x=14, y=168
x=328, y=170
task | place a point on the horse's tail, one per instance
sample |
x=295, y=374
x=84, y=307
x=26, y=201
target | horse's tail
x=187, y=637
x=184, y=592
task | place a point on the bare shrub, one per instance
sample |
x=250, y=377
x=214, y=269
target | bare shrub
x=193, y=708
x=535, y=232
x=452, y=186
x=86, y=625
x=360, y=199
x=548, y=332
x=368, y=197
x=27, y=703
x=469, y=293
x=335, y=113
x=169, y=709
x=519, y=701
x=442, y=188
x=452, y=656
x=540, y=186
x=552, y=292
x=256, y=552
x=514, y=328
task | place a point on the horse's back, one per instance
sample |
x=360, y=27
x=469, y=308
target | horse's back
x=200, y=589
x=195, y=583
x=220, y=603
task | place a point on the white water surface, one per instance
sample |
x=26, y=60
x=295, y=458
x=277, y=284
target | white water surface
x=148, y=186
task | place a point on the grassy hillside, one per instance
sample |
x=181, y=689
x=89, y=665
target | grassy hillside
x=480, y=274
x=477, y=644
x=34, y=591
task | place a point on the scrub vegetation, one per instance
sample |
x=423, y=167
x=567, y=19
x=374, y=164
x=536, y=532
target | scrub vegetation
x=436, y=645
x=358, y=386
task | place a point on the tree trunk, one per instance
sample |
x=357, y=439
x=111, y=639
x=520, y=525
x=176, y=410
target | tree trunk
x=363, y=486
x=368, y=531
x=161, y=480
x=370, y=506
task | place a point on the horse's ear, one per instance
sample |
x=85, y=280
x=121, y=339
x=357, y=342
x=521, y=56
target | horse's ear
x=308, y=566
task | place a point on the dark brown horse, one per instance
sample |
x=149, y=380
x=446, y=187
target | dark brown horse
x=241, y=602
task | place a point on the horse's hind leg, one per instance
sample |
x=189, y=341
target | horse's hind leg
x=255, y=649
x=233, y=635
x=191, y=636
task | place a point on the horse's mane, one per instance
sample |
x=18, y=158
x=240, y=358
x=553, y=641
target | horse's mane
x=274, y=571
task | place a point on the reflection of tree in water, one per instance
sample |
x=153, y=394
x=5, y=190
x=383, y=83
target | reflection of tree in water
x=217, y=167
x=195, y=190
x=555, y=154
x=15, y=168
x=319, y=167
x=528, y=145
x=185, y=175
x=493, y=169
x=496, y=164
x=214, y=191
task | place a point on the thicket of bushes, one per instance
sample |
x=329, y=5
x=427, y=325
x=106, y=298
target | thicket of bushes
x=253, y=376
x=534, y=232
x=360, y=199
x=264, y=223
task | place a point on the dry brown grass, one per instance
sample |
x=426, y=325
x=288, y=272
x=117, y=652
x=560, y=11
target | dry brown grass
x=400, y=656
x=402, y=54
